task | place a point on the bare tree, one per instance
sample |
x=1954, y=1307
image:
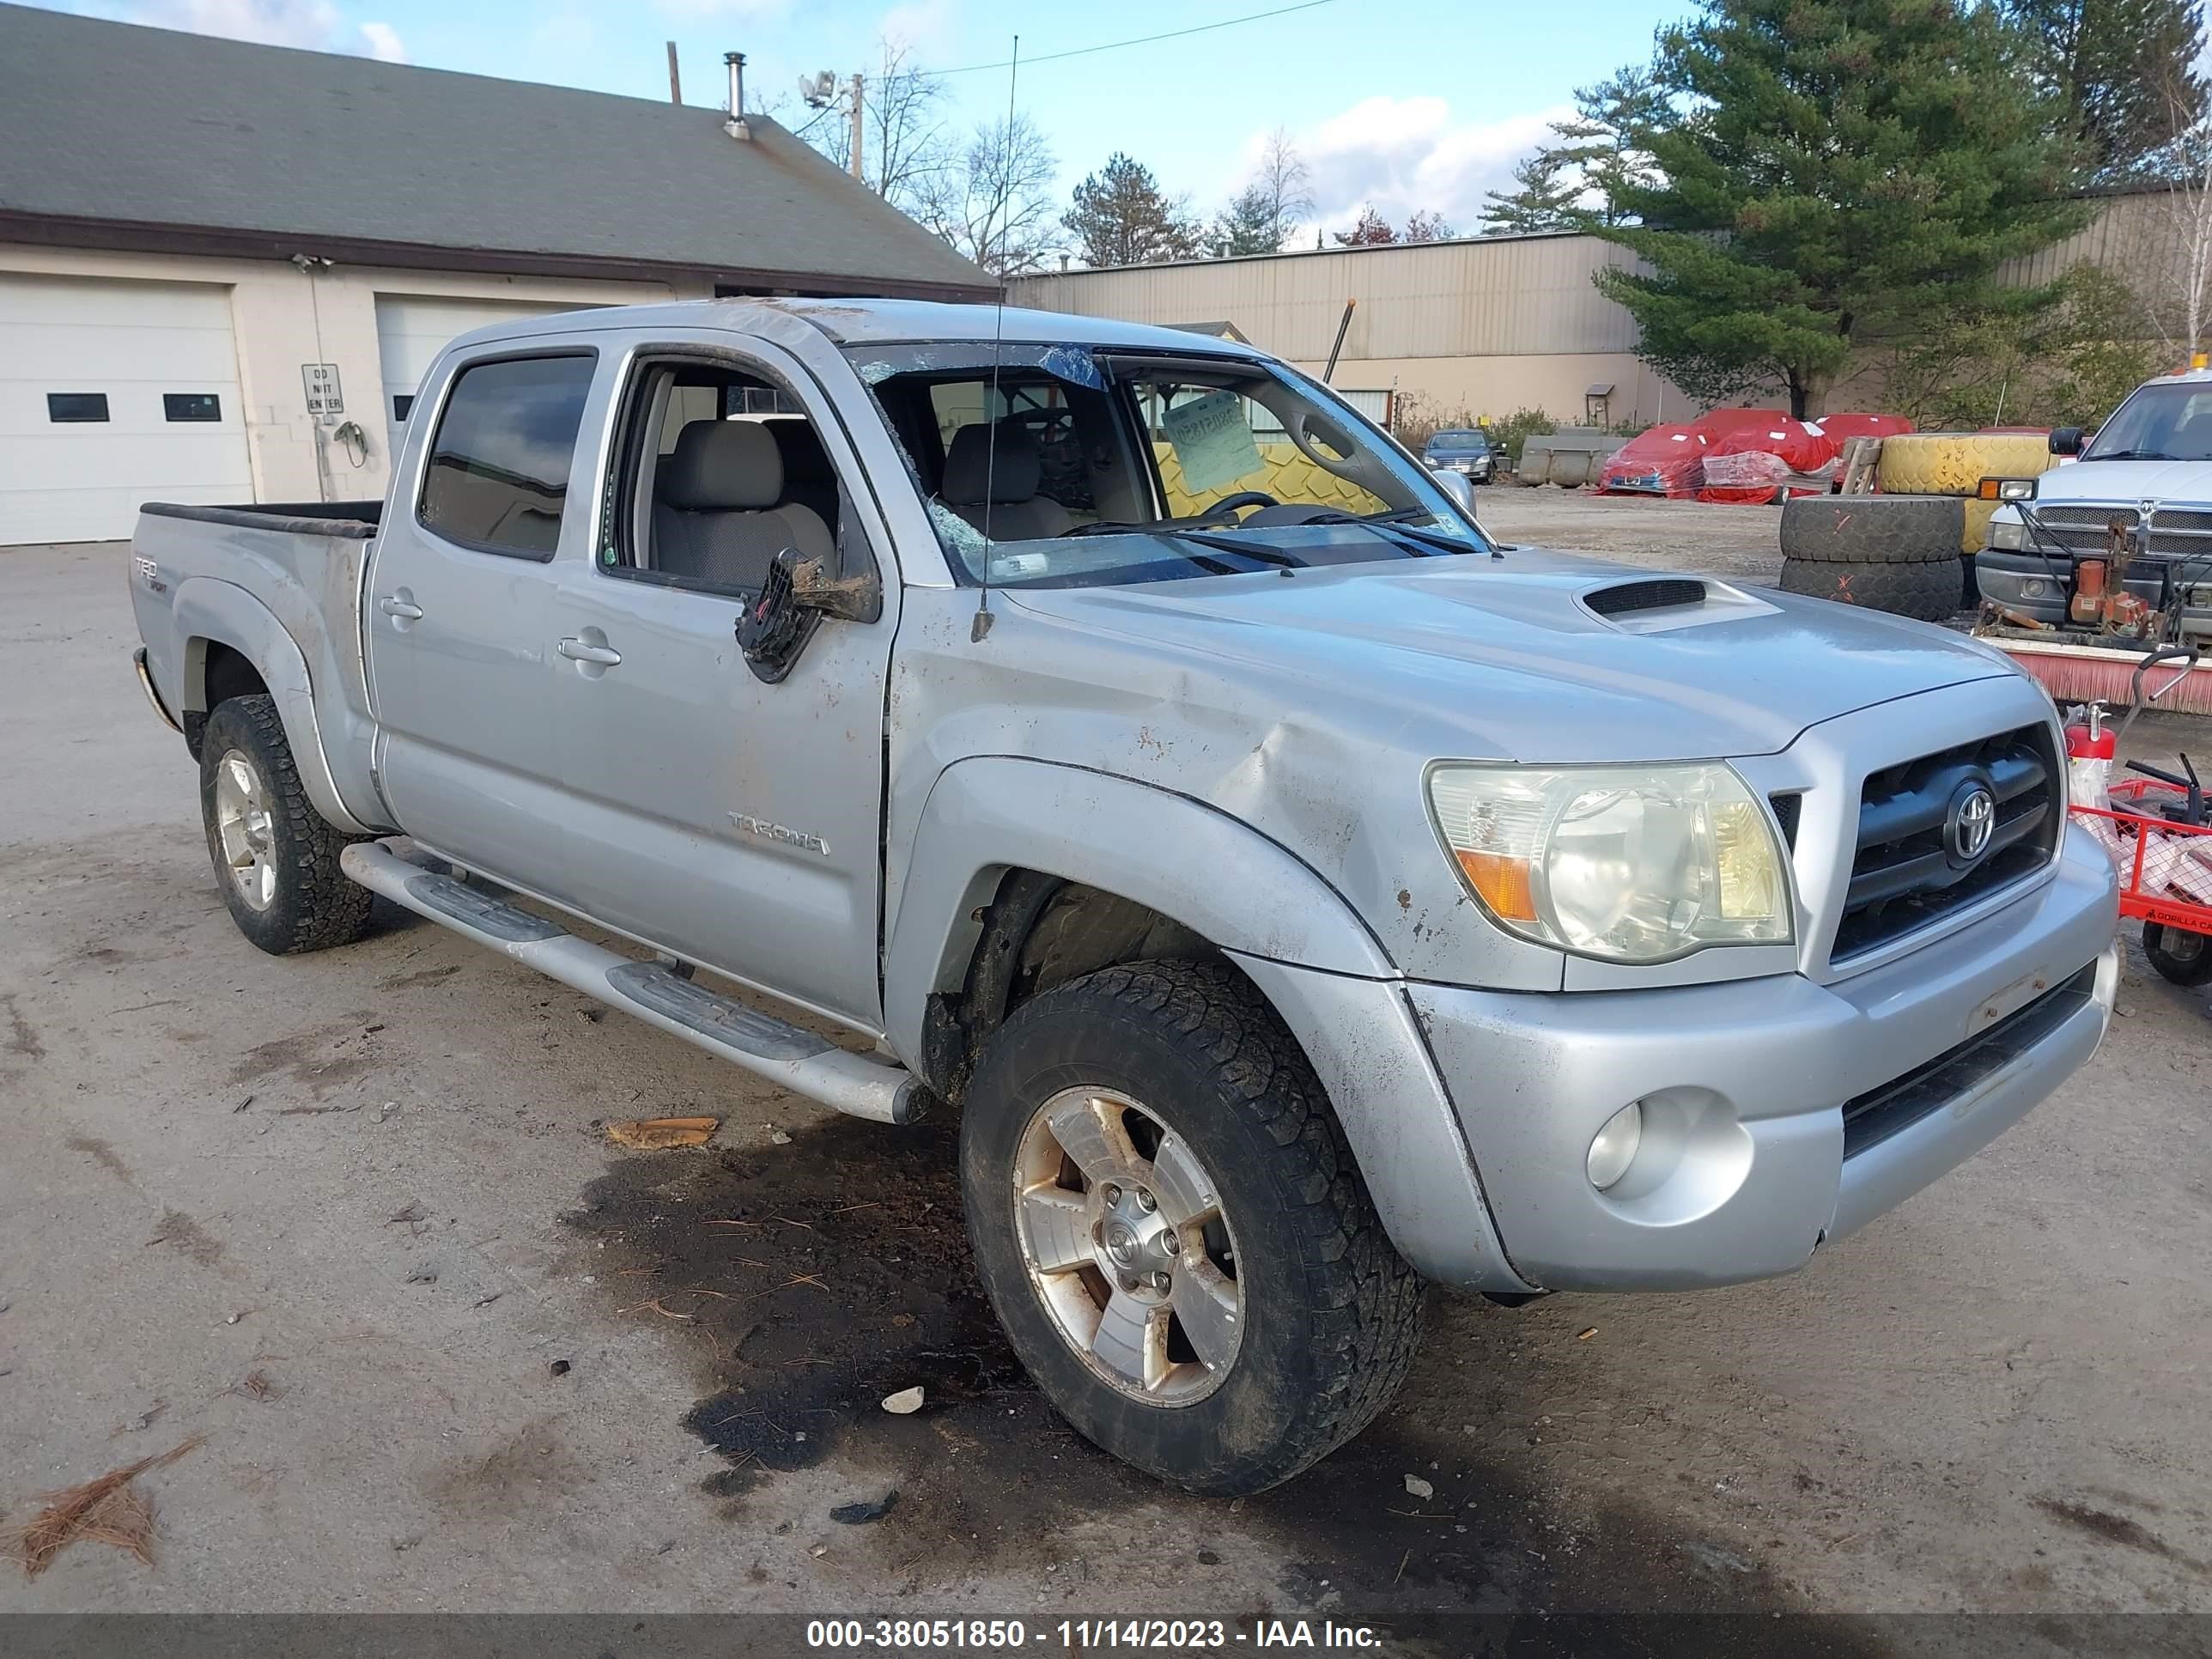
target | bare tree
x=1284, y=185
x=906, y=146
x=2171, y=269
x=993, y=203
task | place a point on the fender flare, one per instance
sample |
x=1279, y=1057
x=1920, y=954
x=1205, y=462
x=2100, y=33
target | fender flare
x=1295, y=936
x=1225, y=880
x=206, y=611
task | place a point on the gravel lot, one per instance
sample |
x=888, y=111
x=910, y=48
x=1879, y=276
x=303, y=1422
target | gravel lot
x=373, y=1180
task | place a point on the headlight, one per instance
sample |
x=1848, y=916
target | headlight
x=1627, y=863
x=2007, y=535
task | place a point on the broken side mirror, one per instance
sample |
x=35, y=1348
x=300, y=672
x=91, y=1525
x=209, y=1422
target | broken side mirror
x=795, y=595
x=2066, y=440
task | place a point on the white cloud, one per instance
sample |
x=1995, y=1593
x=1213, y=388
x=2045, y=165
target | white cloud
x=1406, y=155
x=384, y=43
x=309, y=23
x=926, y=26
x=316, y=25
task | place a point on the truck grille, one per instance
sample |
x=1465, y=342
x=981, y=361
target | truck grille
x=1908, y=872
x=2175, y=532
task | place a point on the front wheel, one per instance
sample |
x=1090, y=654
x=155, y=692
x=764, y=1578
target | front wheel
x=2180, y=956
x=275, y=857
x=1172, y=1230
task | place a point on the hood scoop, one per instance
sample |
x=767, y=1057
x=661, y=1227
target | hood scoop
x=1657, y=593
x=1655, y=604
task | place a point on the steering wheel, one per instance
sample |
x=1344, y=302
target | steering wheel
x=1241, y=498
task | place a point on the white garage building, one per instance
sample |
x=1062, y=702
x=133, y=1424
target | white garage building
x=199, y=236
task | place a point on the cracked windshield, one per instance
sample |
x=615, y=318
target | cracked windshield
x=1060, y=467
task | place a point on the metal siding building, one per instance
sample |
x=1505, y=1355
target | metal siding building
x=1491, y=325
x=1466, y=328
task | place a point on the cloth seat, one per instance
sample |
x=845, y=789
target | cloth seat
x=809, y=480
x=716, y=516
x=999, y=489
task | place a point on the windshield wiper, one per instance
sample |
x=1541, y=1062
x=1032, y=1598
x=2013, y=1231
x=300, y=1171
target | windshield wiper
x=1267, y=556
x=2133, y=455
x=1393, y=523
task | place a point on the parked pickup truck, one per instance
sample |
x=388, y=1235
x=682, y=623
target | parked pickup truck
x=2136, y=507
x=1301, y=897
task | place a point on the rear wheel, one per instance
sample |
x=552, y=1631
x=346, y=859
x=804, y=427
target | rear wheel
x=275, y=857
x=1171, y=1228
x=2178, y=955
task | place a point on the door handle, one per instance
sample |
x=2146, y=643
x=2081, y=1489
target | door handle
x=583, y=651
x=392, y=605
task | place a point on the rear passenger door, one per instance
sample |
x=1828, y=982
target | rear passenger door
x=457, y=626
x=734, y=822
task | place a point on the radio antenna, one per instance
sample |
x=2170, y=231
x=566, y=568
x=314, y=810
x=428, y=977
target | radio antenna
x=981, y=626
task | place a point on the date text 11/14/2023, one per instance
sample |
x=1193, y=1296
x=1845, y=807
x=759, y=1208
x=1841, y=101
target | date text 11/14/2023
x=1082, y=1635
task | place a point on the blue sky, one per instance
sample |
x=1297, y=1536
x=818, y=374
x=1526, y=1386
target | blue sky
x=1404, y=104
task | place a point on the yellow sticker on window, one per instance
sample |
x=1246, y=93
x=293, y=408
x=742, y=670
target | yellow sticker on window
x=1213, y=442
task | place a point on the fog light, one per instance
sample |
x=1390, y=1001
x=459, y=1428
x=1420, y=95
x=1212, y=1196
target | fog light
x=2032, y=588
x=1614, y=1149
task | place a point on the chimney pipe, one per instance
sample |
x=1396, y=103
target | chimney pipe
x=736, y=126
x=675, y=81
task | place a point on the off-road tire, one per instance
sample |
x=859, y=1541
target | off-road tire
x=313, y=907
x=2191, y=964
x=1955, y=463
x=1927, y=593
x=1331, y=1312
x=1871, y=529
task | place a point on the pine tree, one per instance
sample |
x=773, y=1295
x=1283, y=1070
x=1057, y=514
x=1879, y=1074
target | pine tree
x=2126, y=71
x=1122, y=218
x=1550, y=187
x=1247, y=225
x=1829, y=175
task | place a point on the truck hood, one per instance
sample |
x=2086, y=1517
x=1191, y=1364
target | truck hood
x=1502, y=659
x=2127, y=480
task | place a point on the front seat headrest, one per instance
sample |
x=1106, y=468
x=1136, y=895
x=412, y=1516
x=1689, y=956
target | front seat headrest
x=721, y=467
x=972, y=469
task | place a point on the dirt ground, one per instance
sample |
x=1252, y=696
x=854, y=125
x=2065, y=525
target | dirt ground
x=498, y=1365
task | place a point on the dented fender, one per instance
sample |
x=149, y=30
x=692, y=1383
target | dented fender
x=1288, y=929
x=994, y=814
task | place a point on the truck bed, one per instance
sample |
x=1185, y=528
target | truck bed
x=357, y=520
x=279, y=583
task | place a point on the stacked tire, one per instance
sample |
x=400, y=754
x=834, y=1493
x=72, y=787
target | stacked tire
x=1893, y=553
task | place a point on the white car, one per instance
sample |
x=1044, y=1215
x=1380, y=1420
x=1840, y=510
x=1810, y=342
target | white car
x=2145, y=483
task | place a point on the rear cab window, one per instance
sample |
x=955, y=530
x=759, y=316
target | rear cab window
x=497, y=476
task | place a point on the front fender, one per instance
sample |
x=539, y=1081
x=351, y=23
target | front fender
x=209, y=612
x=1186, y=859
x=1291, y=933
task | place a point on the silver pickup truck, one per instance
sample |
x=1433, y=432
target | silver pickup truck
x=1300, y=895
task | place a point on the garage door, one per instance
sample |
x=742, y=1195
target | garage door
x=412, y=329
x=112, y=393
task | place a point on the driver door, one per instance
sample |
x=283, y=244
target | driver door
x=731, y=822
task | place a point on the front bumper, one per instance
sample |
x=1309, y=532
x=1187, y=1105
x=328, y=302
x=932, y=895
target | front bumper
x=2039, y=586
x=1743, y=1171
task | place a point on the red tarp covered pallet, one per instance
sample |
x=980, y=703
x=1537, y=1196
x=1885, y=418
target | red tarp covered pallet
x=1661, y=461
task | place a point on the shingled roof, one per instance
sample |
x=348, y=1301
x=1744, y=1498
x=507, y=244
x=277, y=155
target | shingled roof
x=113, y=135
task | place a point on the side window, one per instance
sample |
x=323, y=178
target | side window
x=498, y=472
x=721, y=469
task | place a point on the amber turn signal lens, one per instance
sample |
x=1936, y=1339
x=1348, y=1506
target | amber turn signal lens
x=1502, y=882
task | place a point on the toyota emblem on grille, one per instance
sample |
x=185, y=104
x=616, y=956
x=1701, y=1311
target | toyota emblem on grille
x=1972, y=821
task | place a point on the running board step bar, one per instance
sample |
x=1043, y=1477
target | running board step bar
x=782, y=1054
